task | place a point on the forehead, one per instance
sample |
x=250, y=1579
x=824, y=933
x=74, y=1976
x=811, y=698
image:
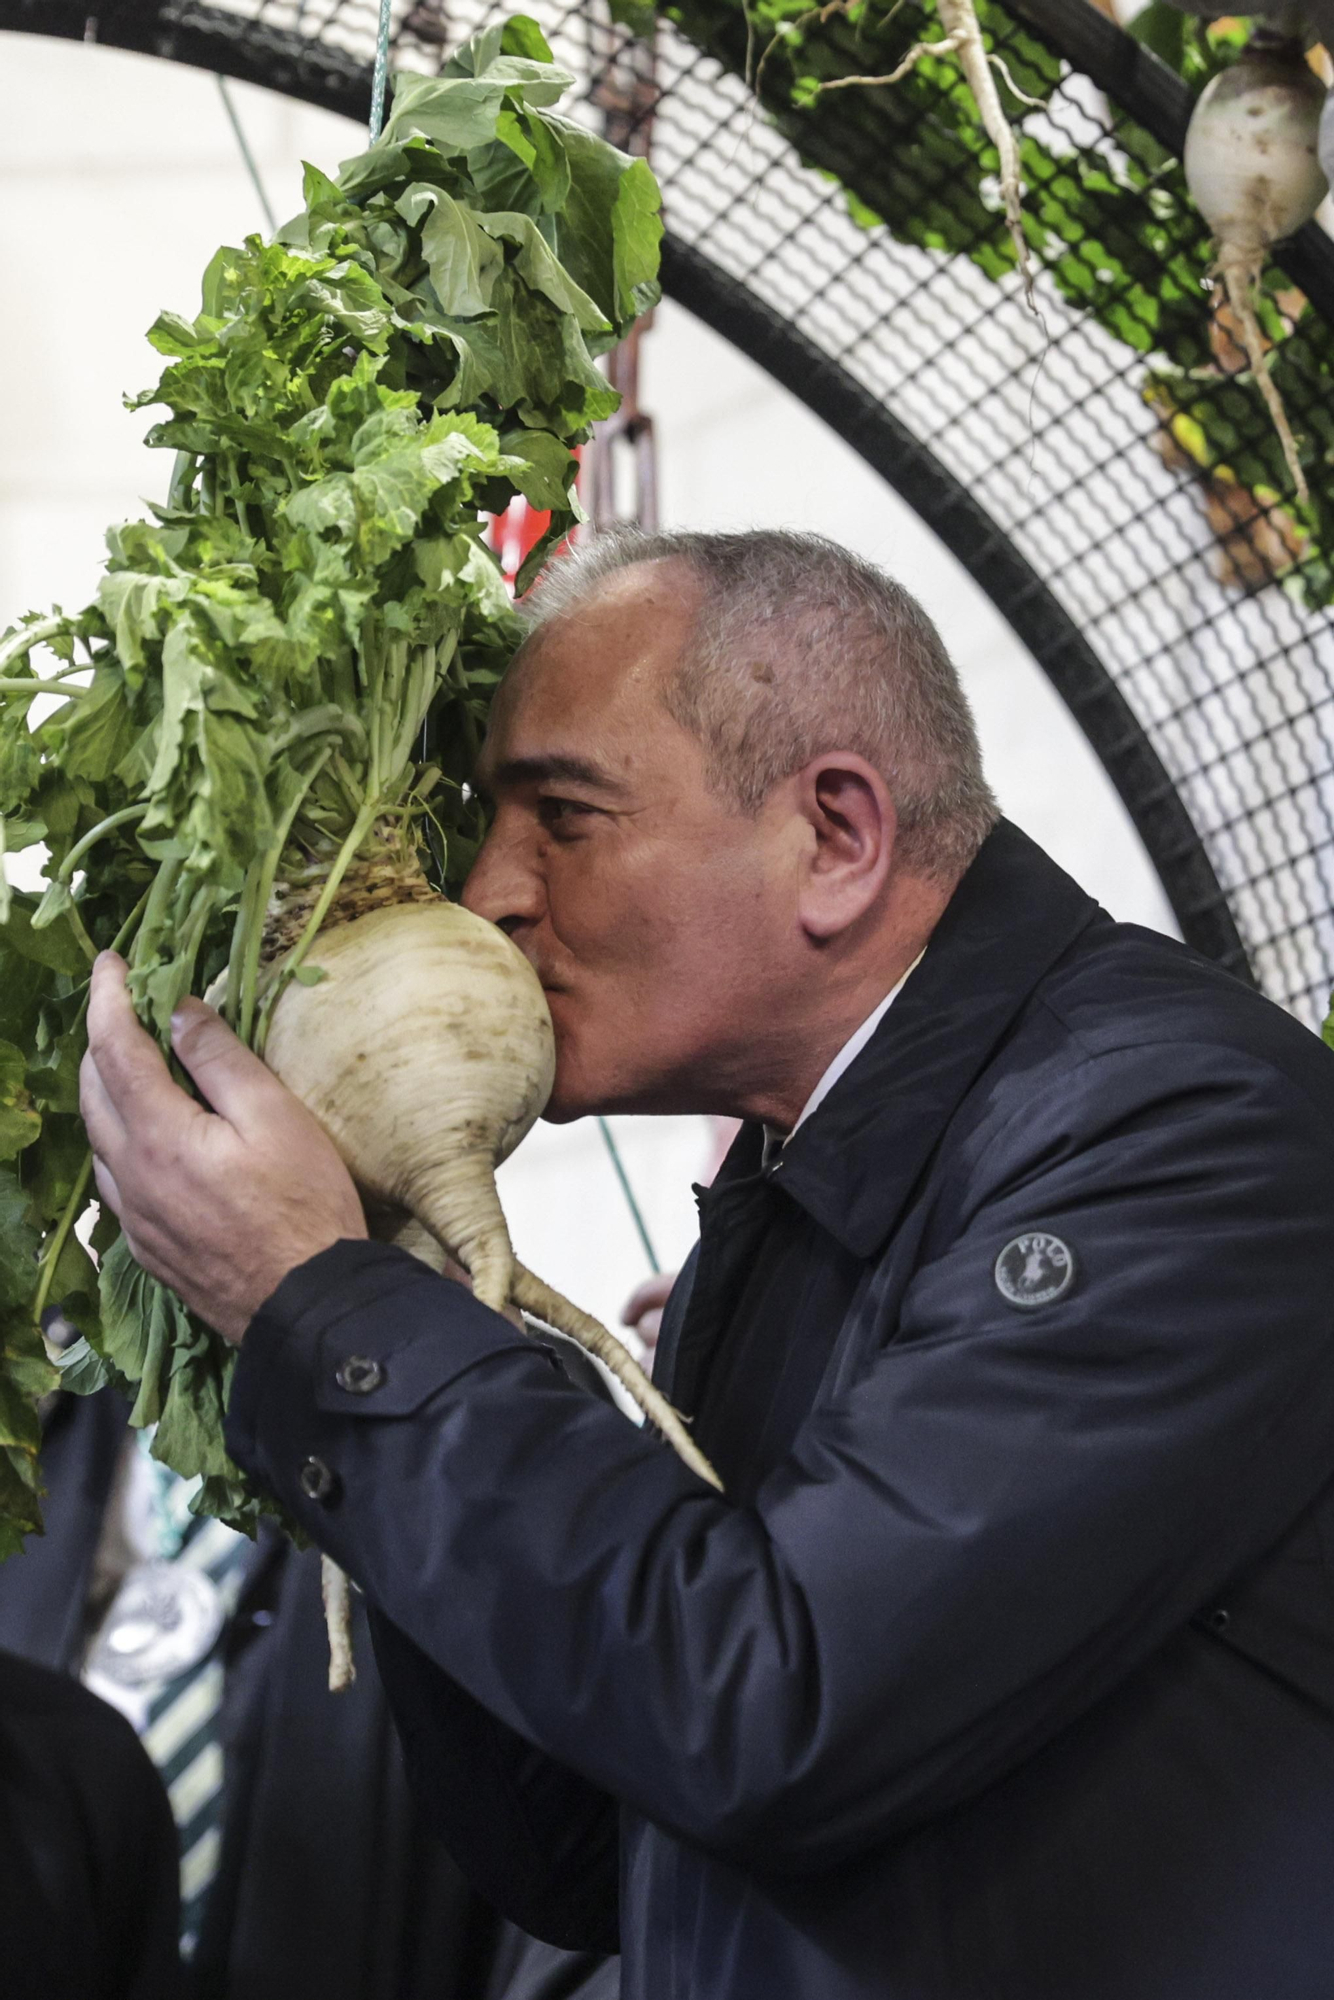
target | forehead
x=591, y=680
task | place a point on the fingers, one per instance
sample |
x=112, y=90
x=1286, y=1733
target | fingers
x=131, y=1079
x=102, y=1121
x=106, y=1184
x=650, y=1296
x=235, y=1081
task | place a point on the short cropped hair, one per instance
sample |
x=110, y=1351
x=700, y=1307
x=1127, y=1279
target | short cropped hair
x=801, y=647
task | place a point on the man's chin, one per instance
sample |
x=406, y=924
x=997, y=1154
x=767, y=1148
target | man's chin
x=559, y=1113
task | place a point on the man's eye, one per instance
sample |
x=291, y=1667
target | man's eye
x=562, y=814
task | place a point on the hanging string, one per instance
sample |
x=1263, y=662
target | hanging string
x=629, y=1194
x=246, y=154
x=381, y=71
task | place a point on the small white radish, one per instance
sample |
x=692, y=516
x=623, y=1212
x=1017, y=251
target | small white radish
x=1253, y=170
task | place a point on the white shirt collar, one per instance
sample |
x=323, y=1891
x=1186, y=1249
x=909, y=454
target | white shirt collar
x=774, y=1141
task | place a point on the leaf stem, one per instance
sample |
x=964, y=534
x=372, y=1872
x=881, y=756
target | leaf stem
x=29, y=636
x=118, y=944
x=52, y=1254
x=365, y=820
x=108, y=825
x=80, y=930
x=263, y=889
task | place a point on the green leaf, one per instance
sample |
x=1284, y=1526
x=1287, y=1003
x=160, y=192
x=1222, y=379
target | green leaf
x=56, y=903
x=462, y=258
x=639, y=16
x=544, y=467
x=55, y=946
x=143, y=1326
x=20, y=1124
x=454, y=113
x=19, y=1243
x=16, y=834
x=83, y=1371
x=539, y=268
x=521, y=36
x=610, y=231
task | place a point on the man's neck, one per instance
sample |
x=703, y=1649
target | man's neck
x=836, y=1007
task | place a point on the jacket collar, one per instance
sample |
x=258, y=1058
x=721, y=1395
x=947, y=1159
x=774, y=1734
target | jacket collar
x=854, y=1162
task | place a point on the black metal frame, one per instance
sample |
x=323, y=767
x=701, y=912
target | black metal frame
x=211, y=38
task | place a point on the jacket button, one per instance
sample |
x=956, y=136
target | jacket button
x=359, y=1375
x=319, y=1481
x=1219, y=1620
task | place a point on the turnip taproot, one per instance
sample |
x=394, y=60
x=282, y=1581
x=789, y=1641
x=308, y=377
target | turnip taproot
x=963, y=40
x=1254, y=173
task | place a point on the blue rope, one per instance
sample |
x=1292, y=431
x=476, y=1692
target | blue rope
x=381, y=71
x=247, y=156
x=629, y=1194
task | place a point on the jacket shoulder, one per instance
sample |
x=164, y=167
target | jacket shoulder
x=1121, y=987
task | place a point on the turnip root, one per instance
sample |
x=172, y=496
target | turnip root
x=1253, y=171
x=335, y=1589
x=963, y=39
x=425, y=1049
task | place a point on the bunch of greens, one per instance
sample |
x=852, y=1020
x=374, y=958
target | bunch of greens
x=286, y=669
x=1114, y=228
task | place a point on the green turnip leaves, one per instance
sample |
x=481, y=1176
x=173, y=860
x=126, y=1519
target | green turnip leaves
x=289, y=663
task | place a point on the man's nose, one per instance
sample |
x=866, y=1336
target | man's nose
x=503, y=886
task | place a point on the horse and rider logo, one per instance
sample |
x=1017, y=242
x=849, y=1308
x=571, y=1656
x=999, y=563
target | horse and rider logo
x=1035, y=1268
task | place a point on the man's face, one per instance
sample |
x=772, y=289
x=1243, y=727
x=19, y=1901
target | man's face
x=659, y=919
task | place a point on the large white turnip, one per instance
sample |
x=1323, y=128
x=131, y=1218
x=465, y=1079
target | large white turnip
x=425, y=1049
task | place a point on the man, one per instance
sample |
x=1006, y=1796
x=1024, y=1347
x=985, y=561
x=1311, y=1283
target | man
x=1004, y=1667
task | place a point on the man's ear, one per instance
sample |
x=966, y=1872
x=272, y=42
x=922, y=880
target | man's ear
x=850, y=843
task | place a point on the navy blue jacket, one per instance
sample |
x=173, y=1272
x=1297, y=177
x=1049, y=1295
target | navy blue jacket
x=1005, y=1668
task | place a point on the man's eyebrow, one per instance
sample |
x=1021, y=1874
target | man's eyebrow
x=517, y=771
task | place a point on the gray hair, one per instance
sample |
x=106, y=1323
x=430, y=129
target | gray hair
x=800, y=647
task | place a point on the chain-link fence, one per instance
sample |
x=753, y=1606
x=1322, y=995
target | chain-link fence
x=1071, y=459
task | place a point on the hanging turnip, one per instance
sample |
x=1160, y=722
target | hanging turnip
x=1253, y=170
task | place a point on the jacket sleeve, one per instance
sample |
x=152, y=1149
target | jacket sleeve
x=1002, y=1516
x=540, y=1843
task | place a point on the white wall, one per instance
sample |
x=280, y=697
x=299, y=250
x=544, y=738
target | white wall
x=120, y=177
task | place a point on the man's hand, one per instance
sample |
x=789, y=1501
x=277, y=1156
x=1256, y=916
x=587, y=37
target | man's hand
x=643, y=1309
x=220, y=1204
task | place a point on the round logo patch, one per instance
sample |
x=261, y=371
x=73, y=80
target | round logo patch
x=1034, y=1269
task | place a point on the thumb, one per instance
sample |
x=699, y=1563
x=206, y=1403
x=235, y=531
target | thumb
x=229, y=1075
